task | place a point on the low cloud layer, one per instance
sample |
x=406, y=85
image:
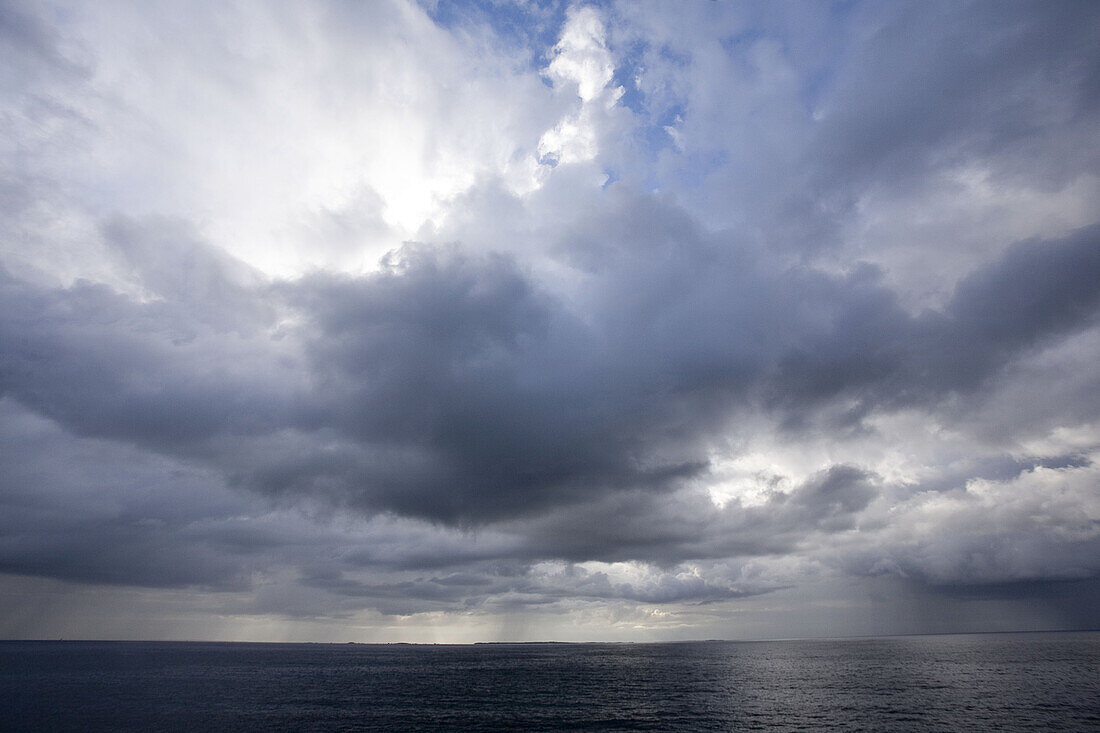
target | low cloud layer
x=723, y=309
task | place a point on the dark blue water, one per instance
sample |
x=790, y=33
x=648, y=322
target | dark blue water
x=950, y=683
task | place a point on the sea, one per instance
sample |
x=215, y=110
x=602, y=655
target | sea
x=982, y=682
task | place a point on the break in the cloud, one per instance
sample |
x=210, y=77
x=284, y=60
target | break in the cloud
x=458, y=321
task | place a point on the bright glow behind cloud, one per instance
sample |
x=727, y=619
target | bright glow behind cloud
x=360, y=124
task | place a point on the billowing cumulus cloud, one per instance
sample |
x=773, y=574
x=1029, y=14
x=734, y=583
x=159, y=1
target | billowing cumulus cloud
x=399, y=318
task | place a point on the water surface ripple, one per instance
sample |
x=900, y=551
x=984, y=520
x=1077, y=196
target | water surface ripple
x=951, y=683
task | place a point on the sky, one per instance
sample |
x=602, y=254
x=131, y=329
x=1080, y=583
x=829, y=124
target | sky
x=502, y=320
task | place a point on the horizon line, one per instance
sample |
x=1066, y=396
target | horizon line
x=552, y=641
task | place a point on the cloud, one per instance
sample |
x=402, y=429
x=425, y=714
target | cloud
x=341, y=309
x=1039, y=525
x=581, y=61
x=451, y=386
x=98, y=512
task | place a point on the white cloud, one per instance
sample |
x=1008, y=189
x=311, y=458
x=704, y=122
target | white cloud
x=261, y=125
x=582, y=62
x=581, y=57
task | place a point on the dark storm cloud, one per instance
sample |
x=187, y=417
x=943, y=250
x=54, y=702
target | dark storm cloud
x=505, y=399
x=1023, y=560
x=453, y=387
x=1037, y=291
x=101, y=512
x=507, y=402
x=167, y=372
x=937, y=84
x=671, y=528
x=1069, y=604
x=123, y=551
x=877, y=354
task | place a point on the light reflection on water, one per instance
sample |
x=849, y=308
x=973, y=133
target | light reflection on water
x=969, y=682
